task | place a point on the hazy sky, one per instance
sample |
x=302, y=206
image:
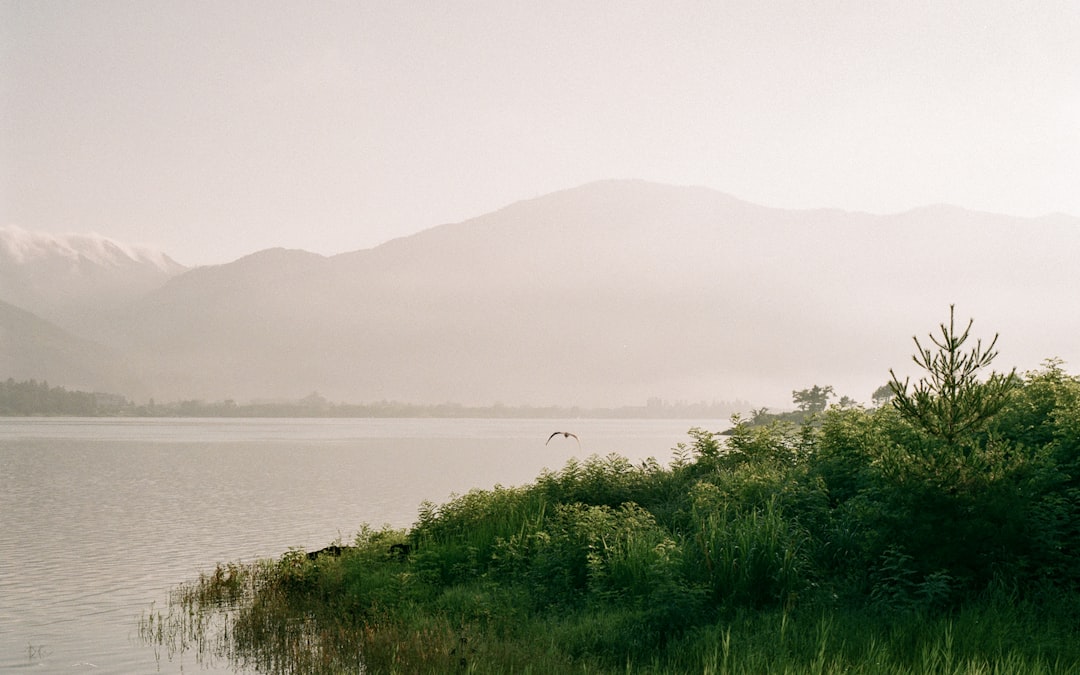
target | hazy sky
x=214, y=129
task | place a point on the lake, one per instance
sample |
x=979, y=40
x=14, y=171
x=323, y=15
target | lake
x=99, y=518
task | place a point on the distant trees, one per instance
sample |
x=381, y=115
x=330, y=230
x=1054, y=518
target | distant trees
x=882, y=395
x=810, y=403
x=31, y=397
x=812, y=400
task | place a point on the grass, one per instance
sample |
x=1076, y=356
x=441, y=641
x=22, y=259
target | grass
x=371, y=612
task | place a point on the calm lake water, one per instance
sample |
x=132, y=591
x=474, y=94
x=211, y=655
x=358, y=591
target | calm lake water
x=99, y=518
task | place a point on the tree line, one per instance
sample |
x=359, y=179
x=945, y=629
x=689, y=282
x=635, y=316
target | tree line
x=30, y=397
x=33, y=398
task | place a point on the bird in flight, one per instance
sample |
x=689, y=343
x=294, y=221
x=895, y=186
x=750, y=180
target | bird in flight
x=567, y=434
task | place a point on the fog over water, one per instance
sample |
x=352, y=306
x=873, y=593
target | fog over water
x=609, y=294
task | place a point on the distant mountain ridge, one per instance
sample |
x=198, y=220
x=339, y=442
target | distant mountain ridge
x=605, y=294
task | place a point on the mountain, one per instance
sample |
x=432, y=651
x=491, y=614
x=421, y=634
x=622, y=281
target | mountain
x=72, y=279
x=607, y=294
x=32, y=348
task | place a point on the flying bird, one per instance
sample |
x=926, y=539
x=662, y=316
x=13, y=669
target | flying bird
x=567, y=434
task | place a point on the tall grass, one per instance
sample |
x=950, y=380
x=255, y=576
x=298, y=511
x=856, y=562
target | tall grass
x=476, y=628
x=750, y=557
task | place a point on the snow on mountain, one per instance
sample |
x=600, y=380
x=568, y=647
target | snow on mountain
x=23, y=247
x=76, y=280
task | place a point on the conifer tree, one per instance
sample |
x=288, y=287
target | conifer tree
x=950, y=401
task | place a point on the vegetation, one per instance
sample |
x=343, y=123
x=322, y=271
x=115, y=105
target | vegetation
x=809, y=404
x=936, y=534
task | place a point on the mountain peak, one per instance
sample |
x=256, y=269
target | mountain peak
x=71, y=278
x=23, y=247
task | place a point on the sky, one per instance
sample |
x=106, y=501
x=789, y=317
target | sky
x=215, y=129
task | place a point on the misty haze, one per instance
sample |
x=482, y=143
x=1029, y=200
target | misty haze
x=605, y=337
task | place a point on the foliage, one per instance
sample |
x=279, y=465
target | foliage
x=812, y=400
x=38, y=398
x=937, y=534
x=882, y=395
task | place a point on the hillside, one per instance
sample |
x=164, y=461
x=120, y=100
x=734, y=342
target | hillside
x=32, y=348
